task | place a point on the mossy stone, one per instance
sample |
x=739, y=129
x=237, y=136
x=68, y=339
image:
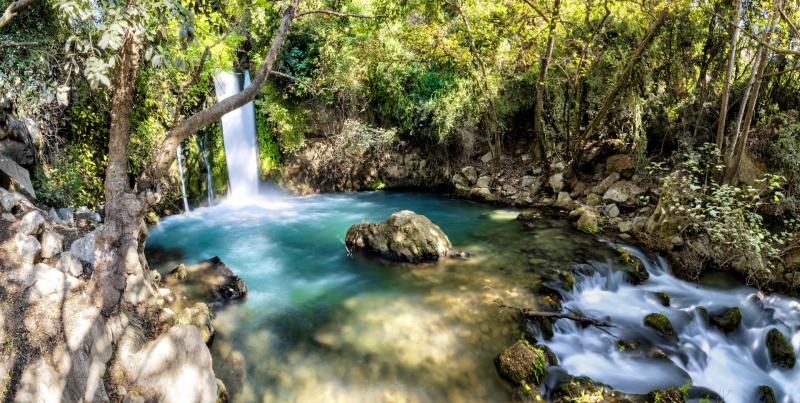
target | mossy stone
x=780, y=351
x=663, y=297
x=766, y=395
x=668, y=395
x=660, y=323
x=728, y=320
x=521, y=363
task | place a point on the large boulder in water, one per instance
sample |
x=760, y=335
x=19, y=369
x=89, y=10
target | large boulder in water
x=210, y=281
x=521, y=363
x=780, y=351
x=404, y=236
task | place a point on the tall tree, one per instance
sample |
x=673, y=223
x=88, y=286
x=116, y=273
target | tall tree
x=723, y=105
x=538, y=108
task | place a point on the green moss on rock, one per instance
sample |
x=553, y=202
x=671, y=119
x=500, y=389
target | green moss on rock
x=766, y=395
x=728, y=320
x=660, y=323
x=663, y=297
x=780, y=351
x=668, y=395
x=521, y=363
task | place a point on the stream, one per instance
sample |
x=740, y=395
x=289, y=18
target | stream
x=321, y=326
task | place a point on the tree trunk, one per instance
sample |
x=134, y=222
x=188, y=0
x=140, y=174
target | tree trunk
x=623, y=77
x=732, y=168
x=732, y=143
x=117, y=241
x=12, y=10
x=538, y=108
x=723, y=105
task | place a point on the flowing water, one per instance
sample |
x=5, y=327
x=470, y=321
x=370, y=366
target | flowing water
x=183, y=183
x=321, y=326
x=239, y=135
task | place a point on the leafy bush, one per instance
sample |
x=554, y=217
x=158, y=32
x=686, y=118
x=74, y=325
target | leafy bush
x=73, y=179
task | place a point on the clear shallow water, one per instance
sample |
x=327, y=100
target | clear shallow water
x=320, y=326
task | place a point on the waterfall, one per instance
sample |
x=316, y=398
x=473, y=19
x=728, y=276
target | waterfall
x=209, y=182
x=183, y=183
x=239, y=134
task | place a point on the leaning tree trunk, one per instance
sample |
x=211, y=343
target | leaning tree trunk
x=118, y=240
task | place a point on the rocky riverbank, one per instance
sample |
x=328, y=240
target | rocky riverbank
x=56, y=344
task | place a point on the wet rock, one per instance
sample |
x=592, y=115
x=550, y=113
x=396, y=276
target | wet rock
x=766, y=394
x=634, y=266
x=470, y=173
x=459, y=181
x=570, y=389
x=780, y=351
x=521, y=363
x=83, y=248
x=663, y=297
x=660, y=323
x=199, y=315
x=482, y=193
x=728, y=320
x=52, y=244
x=404, y=236
x=668, y=395
x=556, y=182
x=588, y=222
x=529, y=215
x=623, y=192
x=210, y=281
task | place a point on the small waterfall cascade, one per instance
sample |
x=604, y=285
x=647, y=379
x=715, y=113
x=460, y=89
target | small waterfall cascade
x=209, y=181
x=183, y=182
x=732, y=365
x=239, y=134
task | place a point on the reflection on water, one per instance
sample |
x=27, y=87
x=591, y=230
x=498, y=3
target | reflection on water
x=321, y=326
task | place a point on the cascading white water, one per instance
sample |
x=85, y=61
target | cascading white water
x=732, y=365
x=209, y=182
x=239, y=134
x=183, y=183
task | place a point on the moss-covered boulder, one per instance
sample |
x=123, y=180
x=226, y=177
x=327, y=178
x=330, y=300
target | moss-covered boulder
x=570, y=389
x=588, y=222
x=198, y=315
x=668, y=395
x=404, y=236
x=635, y=268
x=660, y=323
x=664, y=298
x=765, y=394
x=521, y=363
x=780, y=351
x=728, y=320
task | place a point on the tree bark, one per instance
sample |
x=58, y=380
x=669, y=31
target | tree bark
x=623, y=77
x=12, y=10
x=728, y=152
x=117, y=242
x=538, y=108
x=723, y=105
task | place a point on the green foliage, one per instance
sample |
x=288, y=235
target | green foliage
x=72, y=180
x=726, y=214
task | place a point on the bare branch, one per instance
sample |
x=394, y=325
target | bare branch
x=527, y=313
x=19, y=44
x=755, y=37
x=337, y=14
x=12, y=10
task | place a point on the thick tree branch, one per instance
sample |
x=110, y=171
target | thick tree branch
x=623, y=77
x=205, y=117
x=527, y=313
x=12, y=10
x=336, y=14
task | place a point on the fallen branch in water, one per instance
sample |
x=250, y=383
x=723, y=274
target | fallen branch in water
x=527, y=313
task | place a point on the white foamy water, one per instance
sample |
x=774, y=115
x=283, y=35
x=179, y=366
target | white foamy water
x=239, y=134
x=732, y=365
x=183, y=182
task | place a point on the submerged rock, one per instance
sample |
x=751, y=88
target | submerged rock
x=780, y=351
x=521, y=363
x=727, y=320
x=660, y=323
x=404, y=236
x=210, y=281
